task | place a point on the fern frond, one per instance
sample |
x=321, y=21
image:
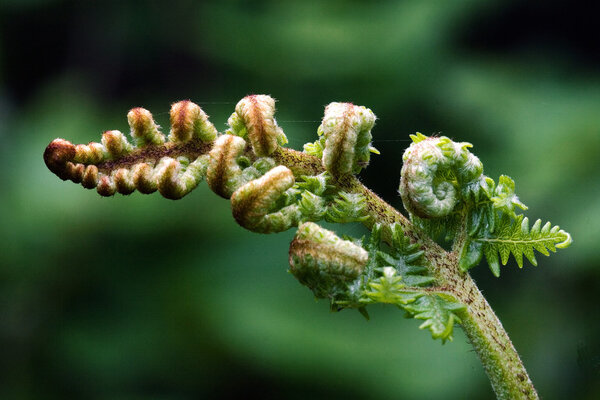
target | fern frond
x=439, y=313
x=514, y=236
x=347, y=207
x=390, y=289
x=437, y=310
x=402, y=280
x=316, y=149
x=505, y=199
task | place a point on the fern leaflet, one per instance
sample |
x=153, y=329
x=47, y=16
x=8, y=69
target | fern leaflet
x=514, y=236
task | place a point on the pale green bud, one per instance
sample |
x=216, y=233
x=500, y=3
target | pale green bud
x=252, y=203
x=254, y=118
x=347, y=132
x=143, y=128
x=189, y=121
x=323, y=262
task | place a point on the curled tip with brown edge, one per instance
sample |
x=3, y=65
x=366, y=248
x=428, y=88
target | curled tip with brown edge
x=56, y=156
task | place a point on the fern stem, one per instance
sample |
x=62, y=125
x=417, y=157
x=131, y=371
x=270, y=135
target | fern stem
x=499, y=357
x=500, y=360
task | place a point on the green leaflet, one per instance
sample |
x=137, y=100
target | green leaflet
x=514, y=237
x=504, y=198
x=316, y=148
x=347, y=207
x=438, y=311
x=351, y=274
x=397, y=276
x=389, y=289
x=405, y=258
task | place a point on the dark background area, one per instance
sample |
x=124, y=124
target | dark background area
x=141, y=297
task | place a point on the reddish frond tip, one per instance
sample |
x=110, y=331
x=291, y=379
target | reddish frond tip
x=106, y=187
x=181, y=120
x=56, y=156
x=189, y=121
x=143, y=128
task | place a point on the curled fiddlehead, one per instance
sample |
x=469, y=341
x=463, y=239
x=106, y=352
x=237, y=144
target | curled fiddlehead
x=442, y=182
x=436, y=175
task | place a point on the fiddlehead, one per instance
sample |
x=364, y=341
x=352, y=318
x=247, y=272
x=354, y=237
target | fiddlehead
x=442, y=184
x=436, y=175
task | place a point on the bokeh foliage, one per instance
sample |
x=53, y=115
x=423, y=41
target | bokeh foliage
x=142, y=297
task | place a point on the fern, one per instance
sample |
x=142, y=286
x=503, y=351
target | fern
x=405, y=282
x=439, y=312
x=347, y=207
x=514, y=236
x=272, y=189
x=504, y=198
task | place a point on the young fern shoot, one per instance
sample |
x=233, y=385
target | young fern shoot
x=273, y=188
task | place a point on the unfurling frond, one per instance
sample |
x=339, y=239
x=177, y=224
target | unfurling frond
x=439, y=313
x=152, y=163
x=272, y=189
x=439, y=310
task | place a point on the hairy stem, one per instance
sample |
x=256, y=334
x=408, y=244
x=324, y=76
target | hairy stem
x=500, y=360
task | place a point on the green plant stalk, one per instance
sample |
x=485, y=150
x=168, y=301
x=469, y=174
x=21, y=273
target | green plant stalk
x=484, y=330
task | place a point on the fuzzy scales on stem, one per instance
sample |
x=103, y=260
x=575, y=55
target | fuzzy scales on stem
x=273, y=188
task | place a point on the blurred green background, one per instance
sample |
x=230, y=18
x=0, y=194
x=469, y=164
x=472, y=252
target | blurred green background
x=140, y=297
